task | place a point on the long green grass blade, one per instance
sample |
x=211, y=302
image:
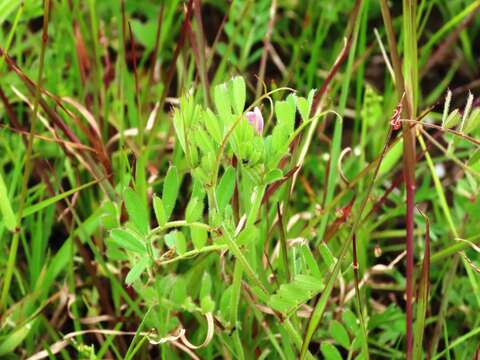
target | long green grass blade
x=32, y=209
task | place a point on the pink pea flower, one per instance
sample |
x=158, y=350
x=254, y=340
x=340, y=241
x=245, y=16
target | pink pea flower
x=255, y=119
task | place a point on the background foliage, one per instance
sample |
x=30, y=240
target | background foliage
x=143, y=217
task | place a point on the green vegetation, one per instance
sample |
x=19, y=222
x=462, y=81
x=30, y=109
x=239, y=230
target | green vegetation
x=271, y=179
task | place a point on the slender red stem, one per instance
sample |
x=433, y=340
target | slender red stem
x=409, y=152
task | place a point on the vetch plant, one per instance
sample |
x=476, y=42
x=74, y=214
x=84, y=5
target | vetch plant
x=231, y=160
x=205, y=137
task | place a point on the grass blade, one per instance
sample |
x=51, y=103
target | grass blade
x=32, y=209
x=6, y=210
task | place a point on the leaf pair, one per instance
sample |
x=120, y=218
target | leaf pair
x=134, y=240
x=131, y=241
x=230, y=97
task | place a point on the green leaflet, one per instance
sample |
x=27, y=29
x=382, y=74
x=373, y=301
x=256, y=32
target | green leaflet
x=225, y=187
x=310, y=262
x=137, y=270
x=452, y=119
x=127, y=239
x=472, y=122
x=222, y=100
x=285, y=112
x=277, y=143
x=340, y=334
x=303, y=108
x=185, y=120
x=159, y=210
x=110, y=215
x=237, y=89
x=170, y=191
x=327, y=255
x=6, y=210
x=372, y=106
x=137, y=213
x=206, y=302
x=213, y=125
x=179, y=128
x=176, y=239
x=272, y=176
x=194, y=209
x=330, y=352
x=14, y=339
x=203, y=140
x=199, y=237
x=290, y=296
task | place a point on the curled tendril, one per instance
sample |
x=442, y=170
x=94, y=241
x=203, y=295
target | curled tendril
x=270, y=115
x=469, y=261
x=395, y=120
x=339, y=164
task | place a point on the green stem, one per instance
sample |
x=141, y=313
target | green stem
x=235, y=250
x=409, y=158
x=180, y=223
x=453, y=249
x=283, y=242
x=234, y=304
x=195, y=252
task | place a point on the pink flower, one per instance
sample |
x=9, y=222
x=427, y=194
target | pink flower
x=255, y=119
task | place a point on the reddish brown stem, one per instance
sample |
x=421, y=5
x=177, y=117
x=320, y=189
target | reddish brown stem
x=201, y=45
x=408, y=166
x=266, y=44
x=176, y=53
x=340, y=60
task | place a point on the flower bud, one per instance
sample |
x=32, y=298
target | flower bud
x=255, y=119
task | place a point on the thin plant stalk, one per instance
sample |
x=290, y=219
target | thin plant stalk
x=408, y=86
x=409, y=156
x=266, y=45
x=358, y=302
x=283, y=241
x=202, y=56
x=423, y=293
